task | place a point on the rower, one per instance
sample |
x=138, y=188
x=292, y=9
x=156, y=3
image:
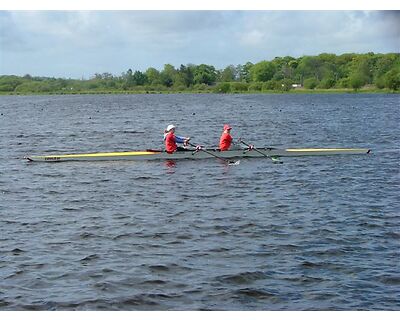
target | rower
x=171, y=140
x=226, y=138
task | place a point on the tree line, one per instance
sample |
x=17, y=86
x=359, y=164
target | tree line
x=324, y=71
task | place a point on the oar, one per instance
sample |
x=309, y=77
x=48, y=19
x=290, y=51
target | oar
x=229, y=162
x=251, y=147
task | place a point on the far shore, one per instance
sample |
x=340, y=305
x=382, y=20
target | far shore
x=210, y=91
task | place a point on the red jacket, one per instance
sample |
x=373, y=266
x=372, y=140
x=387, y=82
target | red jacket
x=225, y=141
x=170, y=144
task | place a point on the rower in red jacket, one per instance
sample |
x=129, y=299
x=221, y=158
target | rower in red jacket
x=171, y=140
x=226, y=138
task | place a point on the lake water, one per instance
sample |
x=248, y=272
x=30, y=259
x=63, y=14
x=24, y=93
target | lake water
x=313, y=233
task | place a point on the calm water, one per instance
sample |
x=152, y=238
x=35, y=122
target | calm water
x=316, y=233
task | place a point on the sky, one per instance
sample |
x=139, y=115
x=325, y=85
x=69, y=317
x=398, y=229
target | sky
x=78, y=44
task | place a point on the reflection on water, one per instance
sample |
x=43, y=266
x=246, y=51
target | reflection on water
x=170, y=164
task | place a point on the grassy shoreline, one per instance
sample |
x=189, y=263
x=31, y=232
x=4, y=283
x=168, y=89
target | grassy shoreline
x=208, y=91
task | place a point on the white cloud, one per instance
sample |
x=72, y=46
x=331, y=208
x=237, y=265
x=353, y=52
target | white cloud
x=254, y=38
x=69, y=43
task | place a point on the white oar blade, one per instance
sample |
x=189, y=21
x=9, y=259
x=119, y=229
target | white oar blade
x=234, y=163
x=276, y=160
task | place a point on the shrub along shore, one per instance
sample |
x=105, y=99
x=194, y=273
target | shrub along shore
x=211, y=91
x=325, y=73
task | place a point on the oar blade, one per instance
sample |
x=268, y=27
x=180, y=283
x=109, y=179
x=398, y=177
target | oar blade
x=233, y=163
x=276, y=160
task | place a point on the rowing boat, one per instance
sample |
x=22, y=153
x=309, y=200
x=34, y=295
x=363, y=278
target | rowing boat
x=193, y=154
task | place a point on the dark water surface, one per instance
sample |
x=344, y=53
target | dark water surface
x=314, y=233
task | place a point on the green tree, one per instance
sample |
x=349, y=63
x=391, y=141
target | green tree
x=356, y=81
x=385, y=63
x=187, y=74
x=286, y=84
x=343, y=66
x=9, y=83
x=311, y=83
x=293, y=64
x=309, y=67
x=284, y=67
x=107, y=76
x=243, y=72
x=153, y=76
x=139, y=78
x=228, y=74
x=362, y=69
x=168, y=75
x=262, y=71
x=205, y=74
x=323, y=71
x=327, y=82
x=392, y=79
x=128, y=77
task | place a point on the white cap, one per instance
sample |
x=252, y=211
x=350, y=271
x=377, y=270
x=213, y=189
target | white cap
x=170, y=127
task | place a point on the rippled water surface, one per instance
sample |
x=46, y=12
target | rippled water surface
x=313, y=233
